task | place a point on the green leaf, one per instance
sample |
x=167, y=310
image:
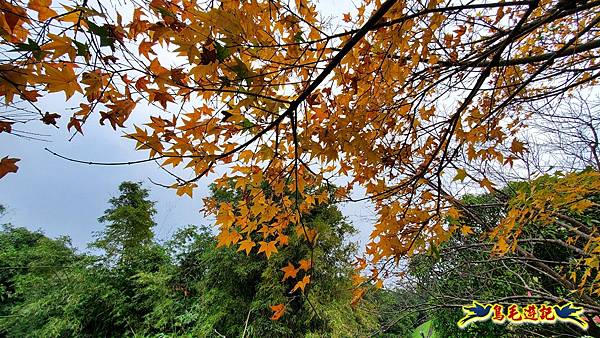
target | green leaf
x=225, y=81
x=240, y=69
x=222, y=51
x=33, y=47
x=461, y=174
x=88, y=11
x=435, y=250
x=164, y=12
x=247, y=124
x=30, y=46
x=103, y=33
x=299, y=38
x=82, y=48
x=95, y=29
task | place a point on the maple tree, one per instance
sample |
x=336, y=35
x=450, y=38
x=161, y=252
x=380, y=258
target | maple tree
x=400, y=99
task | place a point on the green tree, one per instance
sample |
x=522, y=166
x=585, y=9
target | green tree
x=71, y=295
x=128, y=223
x=187, y=287
x=395, y=311
x=34, y=267
x=128, y=241
x=467, y=268
x=223, y=292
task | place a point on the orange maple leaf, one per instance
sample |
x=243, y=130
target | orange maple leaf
x=247, y=245
x=145, y=49
x=268, y=248
x=278, y=311
x=305, y=264
x=466, y=230
x=301, y=284
x=289, y=271
x=357, y=295
x=43, y=8
x=485, y=183
x=161, y=97
x=283, y=239
x=142, y=83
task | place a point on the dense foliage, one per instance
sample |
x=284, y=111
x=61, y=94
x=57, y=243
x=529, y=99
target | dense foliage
x=467, y=268
x=470, y=125
x=186, y=286
x=194, y=286
x=395, y=97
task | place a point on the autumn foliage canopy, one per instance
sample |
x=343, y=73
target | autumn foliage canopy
x=405, y=103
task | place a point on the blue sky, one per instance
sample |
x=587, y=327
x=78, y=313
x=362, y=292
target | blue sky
x=62, y=197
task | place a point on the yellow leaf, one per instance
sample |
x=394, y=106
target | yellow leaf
x=186, y=189
x=453, y=213
x=289, y=271
x=268, y=248
x=246, y=156
x=60, y=46
x=312, y=235
x=461, y=174
x=225, y=216
x=310, y=200
x=73, y=17
x=246, y=245
x=223, y=239
x=501, y=245
x=63, y=79
x=234, y=237
x=302, y=284
x=466, y=230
